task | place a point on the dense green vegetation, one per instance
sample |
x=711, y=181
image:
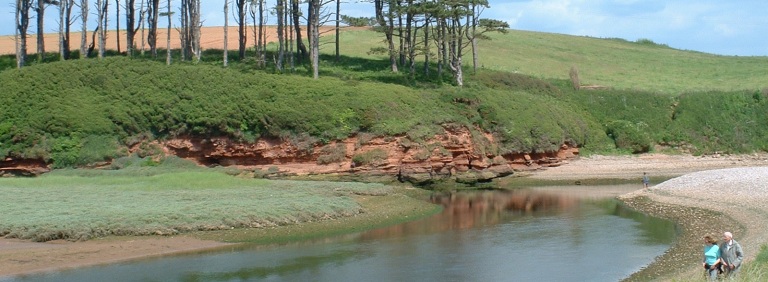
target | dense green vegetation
x=98, y=107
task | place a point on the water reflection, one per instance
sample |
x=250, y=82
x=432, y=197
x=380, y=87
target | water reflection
x=473, y=209
x=494, y=235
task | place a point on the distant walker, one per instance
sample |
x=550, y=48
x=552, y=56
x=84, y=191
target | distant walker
x=646, y=180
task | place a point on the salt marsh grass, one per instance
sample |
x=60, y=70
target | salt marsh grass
x=65, y=205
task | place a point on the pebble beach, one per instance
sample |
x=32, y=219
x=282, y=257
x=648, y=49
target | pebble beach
x=704, y=196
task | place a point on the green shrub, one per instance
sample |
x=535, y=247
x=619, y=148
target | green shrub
x=332, y=154
x=371, y=157
x=629, y=136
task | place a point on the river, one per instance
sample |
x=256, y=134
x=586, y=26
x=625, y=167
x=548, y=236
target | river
x=574, y=233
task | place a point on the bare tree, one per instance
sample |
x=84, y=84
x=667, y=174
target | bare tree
x=131, y=26
x=65, y=24
x=84, y=30
x=168, y=35
x=242, y=38
x=314, y=42
x=259, y=20
x=338, y=31
x=316, y=19
x=22, y=24
x=190, y=29
x=385, y=21
x=279, y=10
x=117, y=23
x=296, y=14
x=40, y=10
x=153, y=14
x=226, y=31
x=102, y=6
x=142, y=25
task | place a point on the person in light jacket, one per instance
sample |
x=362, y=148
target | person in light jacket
x=711, y=260
x=731, y=255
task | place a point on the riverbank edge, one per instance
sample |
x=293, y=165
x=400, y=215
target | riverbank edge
x=681, y=261
x=19, y=258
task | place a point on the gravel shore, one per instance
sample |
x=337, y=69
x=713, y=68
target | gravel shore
x=705, y=196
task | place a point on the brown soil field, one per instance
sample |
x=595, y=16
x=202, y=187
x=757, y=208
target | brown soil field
x=211, y=38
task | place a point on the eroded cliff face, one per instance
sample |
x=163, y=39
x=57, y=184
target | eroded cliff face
x=454, y=154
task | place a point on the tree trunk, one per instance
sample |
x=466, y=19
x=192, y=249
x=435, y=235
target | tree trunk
x=130, y=22
x=68, y=29
x=168, y=36
x=474, y=39
x=289, y=39
x=20, y=31
x=183, y=31
x=117, y=23
x=195, y=17
x=62, y=21
x=262, y=41
x=439, y=46
x=315, y=42
x=297, y=25
x=154, y=13
x=409, y=48
x=100, y=27
x=338, y=21
x=226, y=31
x=84, y=30
x=400, y=36
x=280, y=34
x=141, y=24
x=40, y=30
x=242, y=39
x=255, y=9
x=104, y=26
x=388, y=30
x=427, y=50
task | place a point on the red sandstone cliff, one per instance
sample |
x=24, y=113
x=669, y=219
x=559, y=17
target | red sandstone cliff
x=452, y=154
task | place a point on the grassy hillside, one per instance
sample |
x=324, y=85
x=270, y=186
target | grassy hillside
x=82, y=111
x=616, y=63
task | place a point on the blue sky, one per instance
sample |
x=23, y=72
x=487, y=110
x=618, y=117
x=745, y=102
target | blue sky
x=733, y=27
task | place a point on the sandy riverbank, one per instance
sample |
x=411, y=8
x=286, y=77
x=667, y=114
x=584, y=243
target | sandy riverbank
x=707, y=196
x=693, y=203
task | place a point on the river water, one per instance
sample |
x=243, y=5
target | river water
x=575, y=233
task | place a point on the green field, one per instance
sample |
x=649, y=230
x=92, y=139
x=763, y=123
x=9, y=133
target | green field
x=616, y=63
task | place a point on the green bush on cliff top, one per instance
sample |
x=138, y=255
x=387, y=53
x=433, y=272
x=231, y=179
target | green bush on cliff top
x=81, y=111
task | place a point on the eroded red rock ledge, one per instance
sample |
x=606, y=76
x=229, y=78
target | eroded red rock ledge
x=455, y=154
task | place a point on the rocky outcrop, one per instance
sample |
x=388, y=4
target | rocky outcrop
x=454, y=154
x=25, y=167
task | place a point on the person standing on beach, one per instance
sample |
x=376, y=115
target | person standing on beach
x=711, y=258
x=731, y=255
x=646, y=180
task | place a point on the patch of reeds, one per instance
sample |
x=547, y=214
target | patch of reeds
x=76, y=207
